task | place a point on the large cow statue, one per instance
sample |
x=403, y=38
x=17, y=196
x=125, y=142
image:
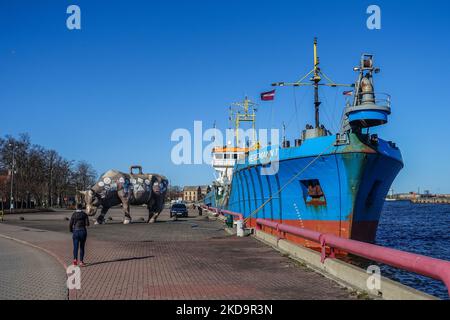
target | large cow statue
x=114, y=188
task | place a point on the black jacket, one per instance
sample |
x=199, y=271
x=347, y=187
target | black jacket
x=79, y=221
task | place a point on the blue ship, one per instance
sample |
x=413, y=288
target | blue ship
x=328, y=183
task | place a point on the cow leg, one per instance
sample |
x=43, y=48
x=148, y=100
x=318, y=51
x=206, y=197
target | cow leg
x=155, y=216
x=156, y=206
x=126, y=211
x=101, y=217
x=151, y=216
x=151, y=211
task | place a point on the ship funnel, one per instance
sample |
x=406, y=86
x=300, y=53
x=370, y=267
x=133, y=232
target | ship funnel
x=369, y=109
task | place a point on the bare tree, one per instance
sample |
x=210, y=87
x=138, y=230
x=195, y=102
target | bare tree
x=84, y=175
x=41, y=177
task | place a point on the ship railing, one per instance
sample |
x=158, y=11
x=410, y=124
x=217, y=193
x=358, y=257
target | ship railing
x=381, y=99
x=224, y=162
x=426, y=266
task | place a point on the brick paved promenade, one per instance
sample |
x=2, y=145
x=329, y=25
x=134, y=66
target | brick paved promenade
x=192, y=258
x=28, y=274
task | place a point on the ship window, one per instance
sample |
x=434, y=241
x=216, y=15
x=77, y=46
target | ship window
x=312, y=192
x=235, y=156
x=219, y=155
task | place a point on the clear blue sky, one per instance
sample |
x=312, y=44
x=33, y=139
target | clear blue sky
x=113, y=92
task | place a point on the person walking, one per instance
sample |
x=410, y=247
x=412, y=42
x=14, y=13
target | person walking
x=78, y=224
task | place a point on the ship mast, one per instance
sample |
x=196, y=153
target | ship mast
x=316, y=78
x=248, y=115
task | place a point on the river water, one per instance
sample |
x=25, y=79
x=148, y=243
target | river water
x=417, y=228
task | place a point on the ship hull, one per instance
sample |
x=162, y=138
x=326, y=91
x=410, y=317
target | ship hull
x=353, y=181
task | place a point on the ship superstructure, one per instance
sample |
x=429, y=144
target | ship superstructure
x=225, y=158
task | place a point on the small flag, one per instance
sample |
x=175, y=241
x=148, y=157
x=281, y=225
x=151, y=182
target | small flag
x=347, y=93
x=268, y=96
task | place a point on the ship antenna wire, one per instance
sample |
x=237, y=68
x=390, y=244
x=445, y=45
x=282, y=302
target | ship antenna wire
x=296, y=109
x=289, y=182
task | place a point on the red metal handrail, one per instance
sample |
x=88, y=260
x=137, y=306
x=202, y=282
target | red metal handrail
x=222, y=211
x=423, y=265
x=234, y=214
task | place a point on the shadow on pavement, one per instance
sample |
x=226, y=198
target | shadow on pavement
x=117, y=260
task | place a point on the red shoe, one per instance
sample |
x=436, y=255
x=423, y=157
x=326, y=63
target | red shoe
x=75, y=262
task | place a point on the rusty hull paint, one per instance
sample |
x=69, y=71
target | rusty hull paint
x=356, y=145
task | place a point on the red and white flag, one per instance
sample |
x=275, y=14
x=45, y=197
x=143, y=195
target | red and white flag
x=347, y=93
x=268, y=96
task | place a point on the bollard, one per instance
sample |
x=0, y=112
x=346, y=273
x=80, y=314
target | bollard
x=240, y=228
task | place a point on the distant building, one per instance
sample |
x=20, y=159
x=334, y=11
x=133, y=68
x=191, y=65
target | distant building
x=192, y=193
x=195, y=193
x=175, y=193
x=407, y=196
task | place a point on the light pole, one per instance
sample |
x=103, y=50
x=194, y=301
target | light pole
x=11, y=199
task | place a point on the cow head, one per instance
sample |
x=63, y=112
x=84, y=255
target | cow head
x=160, y=186
x=92, y=202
